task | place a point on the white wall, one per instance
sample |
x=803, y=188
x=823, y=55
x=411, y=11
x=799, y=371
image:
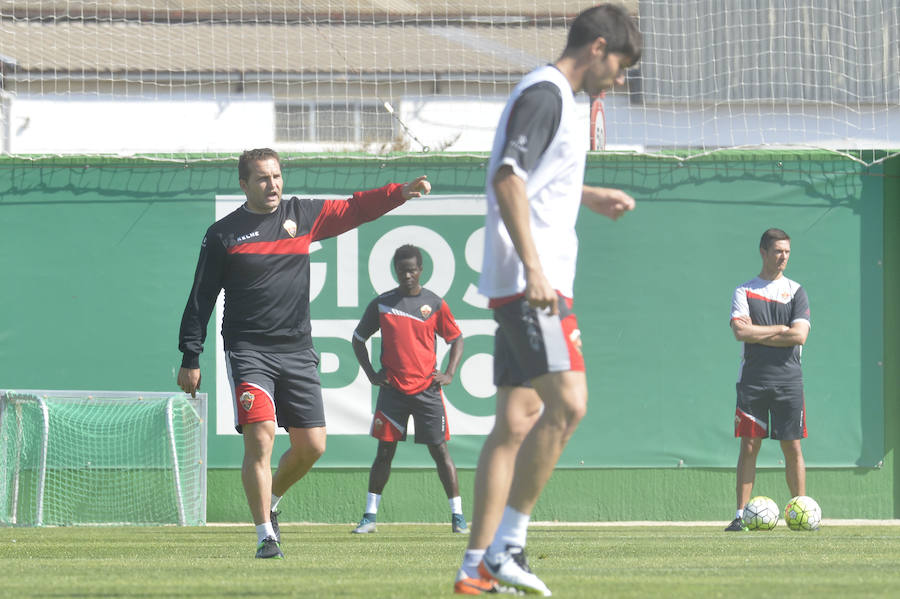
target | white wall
x=76, y=124
x=85, y=124
x=469, y=124
x=5, y=103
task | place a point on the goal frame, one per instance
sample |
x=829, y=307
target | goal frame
x=8, y=398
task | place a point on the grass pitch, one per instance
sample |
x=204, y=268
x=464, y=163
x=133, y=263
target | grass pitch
x=421, y=561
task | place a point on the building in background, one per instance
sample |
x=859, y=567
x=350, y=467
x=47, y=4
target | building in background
x=207, y=77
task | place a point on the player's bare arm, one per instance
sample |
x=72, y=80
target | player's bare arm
x=362, y=356
x=456, y=350
x=416, y=188
x=794, y=335
x=516, y=214
x=746, y=331
x=189, y=380
x=611, y=203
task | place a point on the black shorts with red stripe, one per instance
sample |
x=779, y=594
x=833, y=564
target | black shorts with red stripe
x=278, y=386
x=777, y=411
x=393, y=409
x=531, y=342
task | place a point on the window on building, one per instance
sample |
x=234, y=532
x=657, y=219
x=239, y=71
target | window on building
x=341, y=122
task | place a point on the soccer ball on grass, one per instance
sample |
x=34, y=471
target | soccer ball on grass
x=803, y=513
x=760, y=513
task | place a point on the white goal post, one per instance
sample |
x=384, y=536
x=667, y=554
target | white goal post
x=102, y=457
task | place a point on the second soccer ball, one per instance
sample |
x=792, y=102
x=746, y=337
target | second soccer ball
x=803, y=513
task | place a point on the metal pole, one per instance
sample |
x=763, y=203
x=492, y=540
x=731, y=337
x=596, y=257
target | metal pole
x=179, y=499
x=42, y=472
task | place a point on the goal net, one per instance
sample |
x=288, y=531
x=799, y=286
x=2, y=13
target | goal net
x=193, y=79
x=73, y=457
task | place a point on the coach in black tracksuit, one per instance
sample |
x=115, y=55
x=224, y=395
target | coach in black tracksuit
x=259, y=254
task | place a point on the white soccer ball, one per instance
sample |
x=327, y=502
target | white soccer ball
x=760, y=513
x=803, y=513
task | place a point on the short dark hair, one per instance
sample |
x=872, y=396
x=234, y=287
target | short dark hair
x=612, y=23
x=771, y=236
x=254, y=155
x=408, y=251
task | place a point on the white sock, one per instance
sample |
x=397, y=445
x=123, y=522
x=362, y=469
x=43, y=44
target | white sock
x=264, y=530
x=372, y=502
x=471, y=559
x=455, y=505
x=275, y=500
x=739, y=513
x=512, y=530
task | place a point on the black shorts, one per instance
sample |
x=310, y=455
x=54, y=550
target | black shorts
x=770, y=410
x=284, y=387
x=393, y=409
x=530, y=342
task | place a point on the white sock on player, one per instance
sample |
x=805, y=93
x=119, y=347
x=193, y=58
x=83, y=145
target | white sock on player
x=471, y=559
x=512, y=530
x=372, y=502
x=264, y=530
x=455, y=505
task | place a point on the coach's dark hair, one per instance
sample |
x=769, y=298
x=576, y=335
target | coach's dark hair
x=771, y=236
x=255, y=155
x=612, y=23
x=408, y=251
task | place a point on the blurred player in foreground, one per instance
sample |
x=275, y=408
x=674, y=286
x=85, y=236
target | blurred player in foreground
x=259, y=254
x=535, y=186
x=770, y=315
x=409, y=382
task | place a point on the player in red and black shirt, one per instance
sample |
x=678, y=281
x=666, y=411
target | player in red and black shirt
x=259, y=254
x=409, y=382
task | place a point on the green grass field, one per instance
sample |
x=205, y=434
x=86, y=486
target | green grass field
x=421, y=561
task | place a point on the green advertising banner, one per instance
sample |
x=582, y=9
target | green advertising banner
x=653, y=296
x=98, y=256
x=349, y=271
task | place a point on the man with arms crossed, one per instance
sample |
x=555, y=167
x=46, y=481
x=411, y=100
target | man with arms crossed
x=259, y=254
x=409, y=382
x=535, y=186
x=770, y=315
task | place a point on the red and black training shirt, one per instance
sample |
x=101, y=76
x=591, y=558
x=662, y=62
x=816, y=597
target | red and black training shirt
x=408, y=326
x=262, y=263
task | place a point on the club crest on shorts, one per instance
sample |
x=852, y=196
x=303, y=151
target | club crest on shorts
x=247, y=400
x=290, y=226
x=425, y=310
x=378, y=424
